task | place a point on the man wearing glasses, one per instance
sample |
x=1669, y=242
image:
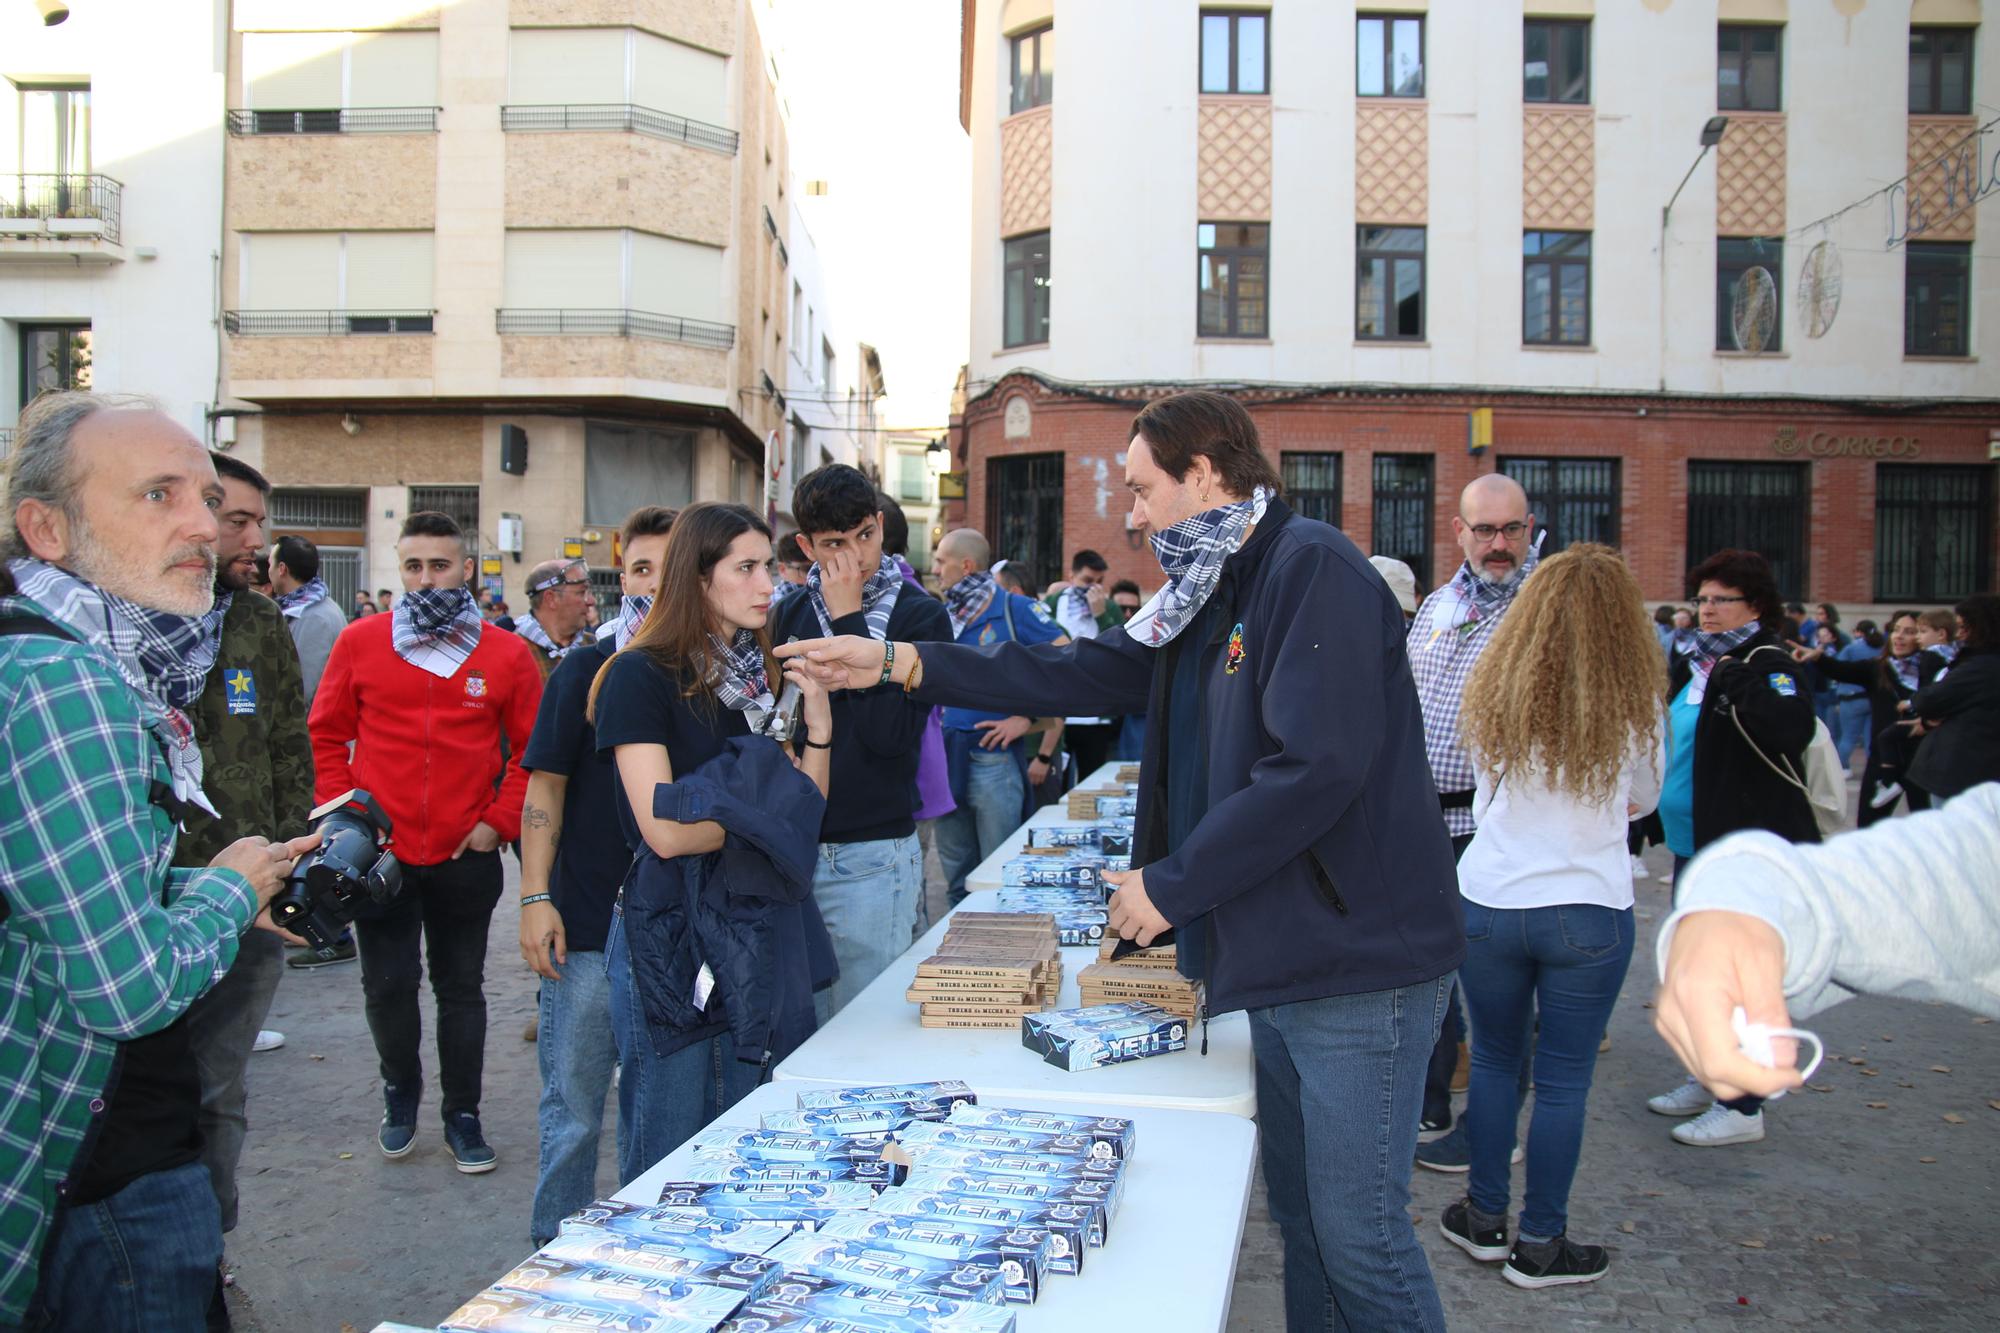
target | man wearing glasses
x=558, y=610
x=1450, y=630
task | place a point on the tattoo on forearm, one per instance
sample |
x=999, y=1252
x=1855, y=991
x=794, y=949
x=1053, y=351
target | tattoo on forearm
x=533, y=816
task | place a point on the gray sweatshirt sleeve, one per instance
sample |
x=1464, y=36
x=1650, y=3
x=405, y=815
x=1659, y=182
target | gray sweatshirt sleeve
x=1909, y=907
x=313, y=635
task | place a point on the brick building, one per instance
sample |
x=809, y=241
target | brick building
x=1650, y=245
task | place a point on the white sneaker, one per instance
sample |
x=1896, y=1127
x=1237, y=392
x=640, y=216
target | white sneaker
x=1719, y=1126
x=1690, y=1098
x=1638, y=867
x=1885, y=795
x=267, y=1040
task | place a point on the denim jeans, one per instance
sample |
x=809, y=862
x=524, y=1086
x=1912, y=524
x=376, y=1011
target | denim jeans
x=576, y=1051
x=991, y=810
x=1340, y=1086
x=448, y=907
x=1854, y=720
x=867, y=893
x=222, y=1027
x=142, y=1261
x=663, y=1100
x=1567, y=964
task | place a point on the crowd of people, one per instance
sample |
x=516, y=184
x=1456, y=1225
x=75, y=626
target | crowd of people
x=1397, y=830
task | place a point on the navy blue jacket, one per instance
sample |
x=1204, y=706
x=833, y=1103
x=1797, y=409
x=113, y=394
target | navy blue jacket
x=1320, y=866
x=747, y=910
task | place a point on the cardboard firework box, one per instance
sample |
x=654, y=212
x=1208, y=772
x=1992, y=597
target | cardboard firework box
x=1110, y=983
x=988, y=971
x=804, y=1206
x=943, y=1094
x=805, y=1301
x=1128, y=773
x=679, y=1226
x=660, y=1297
x=871, y=1265
x=1089, y=1038
x=697, y=1309
x=1117, y=1133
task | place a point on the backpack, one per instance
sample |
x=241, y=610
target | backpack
x=1825, y=780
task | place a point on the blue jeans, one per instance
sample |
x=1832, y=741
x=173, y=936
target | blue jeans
x=143, y=1260
x=867, y=894
x=1853, y=723
x=1567, y=964
x=576, y=1053
x=1340, y=1085
x=991, y=810
x=663, y=1100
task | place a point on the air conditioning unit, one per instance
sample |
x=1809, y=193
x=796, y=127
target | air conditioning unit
x=511, y=535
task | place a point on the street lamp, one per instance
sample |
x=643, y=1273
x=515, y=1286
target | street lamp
x=1711, y=135
x=937, y=457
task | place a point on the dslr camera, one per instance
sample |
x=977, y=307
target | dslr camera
x=350, y=866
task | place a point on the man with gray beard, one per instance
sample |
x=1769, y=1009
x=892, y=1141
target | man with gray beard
x=107, y=1220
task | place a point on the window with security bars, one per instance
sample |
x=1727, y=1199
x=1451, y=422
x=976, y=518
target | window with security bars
x=459, y=503
x=1312, y=485
x=1751, y=507
x=1402, y=527
x=318, y=509
x=1933, y=532
x=1024, y=513
x=607, y=592
x=1572, y=499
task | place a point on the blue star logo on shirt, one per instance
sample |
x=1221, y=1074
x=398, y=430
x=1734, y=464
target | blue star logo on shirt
x=242, y=692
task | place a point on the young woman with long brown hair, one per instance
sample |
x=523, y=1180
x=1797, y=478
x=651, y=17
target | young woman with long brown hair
x=696, y=675
x=1563, y=720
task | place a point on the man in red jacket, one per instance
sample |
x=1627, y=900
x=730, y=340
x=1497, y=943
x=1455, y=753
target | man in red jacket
x=425, y=693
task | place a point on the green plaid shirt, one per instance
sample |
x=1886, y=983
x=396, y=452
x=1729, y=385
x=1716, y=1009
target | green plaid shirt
x=102, y=942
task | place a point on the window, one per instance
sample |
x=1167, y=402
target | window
x=825, y=364
x=1034, y=68
x=459, y=503
x=1747, y=67
x=804, y=458
x=1233, y=280
x=1025, y=271
x=1555, y=288
x=1235, y=52
x=1751, y=507
x=318, y=511
x=1555, y=61
x=309, y=82
x=1388, y=56
x=1941, y=71
x=623, y=459
x=798, y=319
x=1933, y=532
x=1024, y=513
x=331, y=283
x=912, y=477
x=606, y=272
x=1389, y=283
x=1573, y=499
x=1403, y=512
x=1937, y=287
x=583, y=67
x=55, y=131
x=1312, y=485
x=54, y=357
x=1734, y=257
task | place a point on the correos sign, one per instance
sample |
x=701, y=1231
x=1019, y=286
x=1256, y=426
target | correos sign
x=1825, y=444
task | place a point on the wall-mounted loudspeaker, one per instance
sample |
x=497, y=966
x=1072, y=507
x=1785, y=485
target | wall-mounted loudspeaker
x=513, y=451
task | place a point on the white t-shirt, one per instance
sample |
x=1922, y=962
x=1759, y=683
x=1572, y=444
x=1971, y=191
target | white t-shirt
x=1539, y=846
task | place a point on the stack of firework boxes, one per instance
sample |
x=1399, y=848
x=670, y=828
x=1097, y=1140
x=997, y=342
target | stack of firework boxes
x=989, y=969
x=900, y=1209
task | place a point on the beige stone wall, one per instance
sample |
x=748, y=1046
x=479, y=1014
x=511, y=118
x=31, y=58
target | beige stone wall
x=1559, y=168
x=618, y=180
x=1027, y=150
x=763, y=290
x=1233, y=159
x=705, y=23
x=1392, y=162
x=612, y=358
x=390, y=450
x=332, y=182
x=548, y=496
x=1750, y=175
x=393, y=356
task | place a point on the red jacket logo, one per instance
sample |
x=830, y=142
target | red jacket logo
x=475, y=685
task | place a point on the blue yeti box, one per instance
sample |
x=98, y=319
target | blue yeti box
x=1097, y=1196
x=853, y=1122
x=805, y=1204
x=717, y=1169
x=745, y=1273
x=1021, y=1253
x=877, y=1309
x=877, y=1266
x=1035, y=1027
x=1075, y=871
x=662, y=1297
x=778, y=1145
x=943, y=1095
x=1116, y=1133
x=678, y=1226
x=1069, y=1224
x=1060, y=1143
x=526, y=1312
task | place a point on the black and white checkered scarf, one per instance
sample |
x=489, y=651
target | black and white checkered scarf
x=967, y=598
x=531, y=629
x=618, y=630
x=737, y=671
x=1192, y=552
x=308, y=594
x=436, y=628
x=878, y=598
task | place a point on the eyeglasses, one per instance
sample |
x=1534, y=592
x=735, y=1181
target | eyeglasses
x=1719, y=601
x=1486, y=532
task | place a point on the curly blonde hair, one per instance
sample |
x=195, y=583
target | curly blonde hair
x=1571, y=678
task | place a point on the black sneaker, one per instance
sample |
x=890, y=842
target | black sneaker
x=343, y=952
x=1555, y=1263
x=467, y=1144
x=399, y=1120
x=1429, y=1130
x=1480, y=1235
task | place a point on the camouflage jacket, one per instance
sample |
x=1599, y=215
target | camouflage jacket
x=256, y=759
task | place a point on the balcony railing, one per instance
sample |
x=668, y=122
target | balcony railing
x=350, y=120
x=620, y=116
x=323, y=323
x=618, y=324
x=58, y=206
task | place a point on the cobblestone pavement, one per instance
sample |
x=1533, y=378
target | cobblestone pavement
x=1836, y=1220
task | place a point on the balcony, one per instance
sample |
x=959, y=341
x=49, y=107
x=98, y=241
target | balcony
x=350, y=120
x=620, y=117
x=48, y=216
x=324, y=323
x=617, y=324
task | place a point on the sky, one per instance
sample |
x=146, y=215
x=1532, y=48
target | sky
x=872, y=90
